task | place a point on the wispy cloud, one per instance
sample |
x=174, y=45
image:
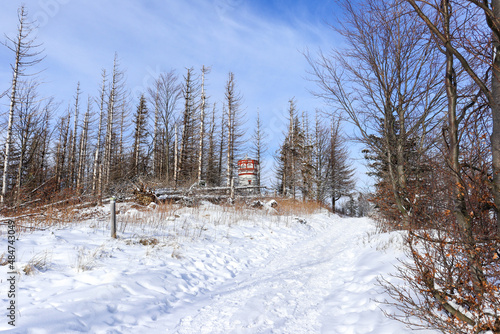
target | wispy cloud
x=260, y=41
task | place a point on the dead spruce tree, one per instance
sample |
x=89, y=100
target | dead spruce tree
x=98, y=152
x=27, y=54
x=81, y=175
x=73, y=139
x=291, y=154
x=188, y=148
x=235, y=132
x=113, y=140
x=259, y=146
x=139, y=155
x=203, y=105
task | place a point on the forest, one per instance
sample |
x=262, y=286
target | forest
x=171, y=136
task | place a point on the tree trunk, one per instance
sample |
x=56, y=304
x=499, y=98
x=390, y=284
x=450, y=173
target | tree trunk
x=202, y=124
x=176, y=157
x=495, y=110
x=83, y=149
x=8, y=139
x=157, y=158
x=229, y=162
x=97, y=157
x=73, y=154
x=108, y=154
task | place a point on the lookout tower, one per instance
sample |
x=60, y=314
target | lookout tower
x=248, y=172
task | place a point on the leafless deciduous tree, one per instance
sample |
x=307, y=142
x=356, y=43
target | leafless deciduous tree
x=469, y=45
x=383, y=82
x=455, y=265
x=164, y=96
x=28, y=138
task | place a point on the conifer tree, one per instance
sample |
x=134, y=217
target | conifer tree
x=340, y=175
x=139, y=162
x=83, y=148
x=73, y=139
x=26, y=55
x=97, y=168
x=234, y=119
x=212, y=171
x=201, y=144
x=259, y=146
x=291, y=154
x=188, y=147
x=112, y=145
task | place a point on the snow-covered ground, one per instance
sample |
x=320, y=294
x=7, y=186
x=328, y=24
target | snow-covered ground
x=202, y=270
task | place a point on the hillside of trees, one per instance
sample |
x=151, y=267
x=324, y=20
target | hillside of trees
x=171, y=136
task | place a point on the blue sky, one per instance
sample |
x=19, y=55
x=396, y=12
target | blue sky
x=260, y=41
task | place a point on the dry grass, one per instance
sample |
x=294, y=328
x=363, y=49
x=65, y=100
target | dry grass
x=297, y=207
x=164, y=222
x=4, y=260
x=39, y=262
x=87, y=259
x=149, y=241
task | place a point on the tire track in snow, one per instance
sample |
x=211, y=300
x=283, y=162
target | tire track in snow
x=292, y=293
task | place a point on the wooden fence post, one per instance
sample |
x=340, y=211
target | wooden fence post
x=113, y=217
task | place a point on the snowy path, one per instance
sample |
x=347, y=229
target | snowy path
x=262, y=275
x=313, y=287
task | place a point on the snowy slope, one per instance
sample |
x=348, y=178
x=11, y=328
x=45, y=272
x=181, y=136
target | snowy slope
x=209, y=272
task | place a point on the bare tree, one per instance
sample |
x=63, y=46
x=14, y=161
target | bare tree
x=212, y=172
x=467, y=50
x=454, y=270
x=176, y=156
x=204, y=71
x=259, y=146
x=29, y=120
x=222, y=145
x=234, y=132
x=97, y=169
x=26, y=55
x=140, y=133
x=83, y=147
x=164, y=96
x=61, y=171
x=113, y=138
x=188, y=149
x=388, y=85
x=73, y=138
